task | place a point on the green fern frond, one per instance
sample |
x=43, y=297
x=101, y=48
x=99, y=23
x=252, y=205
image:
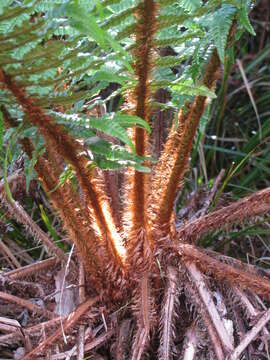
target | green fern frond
x=219, y=30
x=117, y=19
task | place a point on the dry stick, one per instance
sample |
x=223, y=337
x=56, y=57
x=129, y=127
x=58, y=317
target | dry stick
x=23, y=285
x=251, y=335
x=62, y=290
x=31, y=269
x=19, y=252
x=99, y=340
x=59, y=141
x=26, y=304
x=217, y=345
x=209, y=305
x=9, y=325
x=73, y=351
x=246, y=208
x=242, y=278
x=252, y=311
x=214, y=189
x=70, y=321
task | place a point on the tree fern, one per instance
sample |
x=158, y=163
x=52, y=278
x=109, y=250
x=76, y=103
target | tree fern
x=77, y=93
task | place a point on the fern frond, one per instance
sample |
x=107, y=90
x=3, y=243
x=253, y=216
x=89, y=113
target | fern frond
x=21, y=30
x=173, y=160
x=59, y=139
x=115, y=20
x=76, y=219
x=219, y=30
x=177, y=40
x=246, y=208
x=137, y=183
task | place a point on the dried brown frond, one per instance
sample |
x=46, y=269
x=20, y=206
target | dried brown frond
x=246, y=208
x=209, y=307
x=242, y=278
x=70, y=321
x=250, y=336
x=25, y=304
x=168, y=317
x=215, y=342
x=28, y=270
x=144, y=311
x=16, y=211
